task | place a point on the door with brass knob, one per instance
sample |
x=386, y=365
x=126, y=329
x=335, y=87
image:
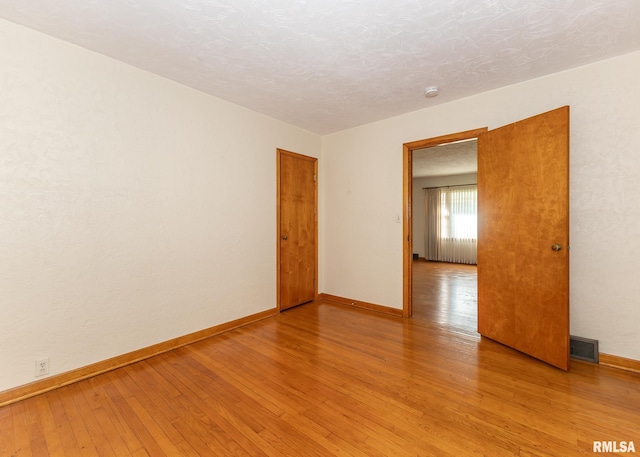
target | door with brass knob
x=523, y=209
x=297, y=229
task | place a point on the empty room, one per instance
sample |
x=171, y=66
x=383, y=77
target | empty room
x=210, y=213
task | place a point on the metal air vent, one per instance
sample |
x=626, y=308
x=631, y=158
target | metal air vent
x=583, y=349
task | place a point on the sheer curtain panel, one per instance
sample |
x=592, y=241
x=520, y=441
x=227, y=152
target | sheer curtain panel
x=452, y=224
x=432, y=212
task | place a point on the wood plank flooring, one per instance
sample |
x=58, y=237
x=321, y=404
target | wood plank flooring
x=329, y=380
x=447, y=294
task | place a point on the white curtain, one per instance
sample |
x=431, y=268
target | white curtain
x=432, y=241
x=452, y=224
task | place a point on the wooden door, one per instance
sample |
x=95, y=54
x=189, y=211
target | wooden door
x=297, y=229
x=523, y=236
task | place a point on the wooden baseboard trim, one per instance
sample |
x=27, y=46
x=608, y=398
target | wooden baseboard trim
x=619, y=362
x=360, y=304
x=54, y=382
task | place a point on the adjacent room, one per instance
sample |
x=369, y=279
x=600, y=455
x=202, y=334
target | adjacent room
x=445, y=231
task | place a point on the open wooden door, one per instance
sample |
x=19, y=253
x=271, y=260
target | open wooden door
x=523, y=236
x=297, y=229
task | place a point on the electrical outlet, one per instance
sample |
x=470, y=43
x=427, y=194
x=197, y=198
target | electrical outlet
x=42, y=367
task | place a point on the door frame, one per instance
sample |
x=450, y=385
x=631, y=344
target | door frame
x=407, y=199
x=279, y=153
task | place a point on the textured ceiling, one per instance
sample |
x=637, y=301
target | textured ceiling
x=334, y=64
x=445, y=160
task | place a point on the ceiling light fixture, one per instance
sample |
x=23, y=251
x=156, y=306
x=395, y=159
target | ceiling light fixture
x=431, y=92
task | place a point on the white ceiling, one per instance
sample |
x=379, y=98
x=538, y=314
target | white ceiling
x=445, y=160
x=328, y=65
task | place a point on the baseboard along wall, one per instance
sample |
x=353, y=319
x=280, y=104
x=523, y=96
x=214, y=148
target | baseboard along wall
x=360, y=304
x=619, y=362
x=45, y=385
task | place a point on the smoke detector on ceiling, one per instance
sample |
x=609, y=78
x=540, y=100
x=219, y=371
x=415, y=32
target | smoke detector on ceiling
x=431, y=92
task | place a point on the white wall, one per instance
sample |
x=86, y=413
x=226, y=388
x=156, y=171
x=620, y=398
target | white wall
x=417, y=212
x=132, y=209
x=363, y=244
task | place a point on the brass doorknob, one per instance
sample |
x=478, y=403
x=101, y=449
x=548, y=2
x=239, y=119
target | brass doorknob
x=285, y=237
x=556, y=247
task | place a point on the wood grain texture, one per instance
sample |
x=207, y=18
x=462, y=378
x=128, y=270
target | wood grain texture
x=54, y=382
x=297, y=203
x=360, y=304
x=407, y=229
x=619, y=362
x=330, y=380
x=523, y=209
x=446, y=294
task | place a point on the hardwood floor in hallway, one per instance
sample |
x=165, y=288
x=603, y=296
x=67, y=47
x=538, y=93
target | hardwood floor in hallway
x=446, y=294
x=329, y=380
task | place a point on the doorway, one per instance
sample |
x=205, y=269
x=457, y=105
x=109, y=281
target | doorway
x=523, y=234
x=408, y=152
x=444, y=183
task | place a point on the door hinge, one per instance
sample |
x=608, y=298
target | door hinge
x=314, y=177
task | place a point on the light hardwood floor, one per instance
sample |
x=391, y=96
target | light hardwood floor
x=323, y=380
x=446, y=294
